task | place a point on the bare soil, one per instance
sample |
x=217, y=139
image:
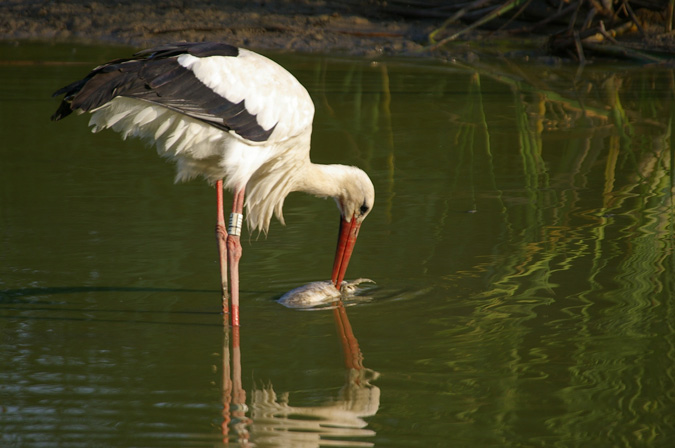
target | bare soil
x=306, y=25
x=357, y=27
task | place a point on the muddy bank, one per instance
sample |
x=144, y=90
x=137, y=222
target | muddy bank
x=569, y=29
x=307, y=26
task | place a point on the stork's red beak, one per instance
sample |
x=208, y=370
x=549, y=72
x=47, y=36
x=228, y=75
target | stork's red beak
x=346, y=241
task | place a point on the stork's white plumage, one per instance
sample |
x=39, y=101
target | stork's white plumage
x=237, y=119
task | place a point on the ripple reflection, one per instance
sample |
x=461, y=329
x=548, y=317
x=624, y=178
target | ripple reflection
x=269, y=420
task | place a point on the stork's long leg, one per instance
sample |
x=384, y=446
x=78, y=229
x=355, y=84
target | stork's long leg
x=221, y=237
x=234, y=252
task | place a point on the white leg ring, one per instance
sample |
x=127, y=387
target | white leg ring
x=236, y=220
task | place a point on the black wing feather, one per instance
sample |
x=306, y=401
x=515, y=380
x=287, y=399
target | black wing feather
x=154, y=75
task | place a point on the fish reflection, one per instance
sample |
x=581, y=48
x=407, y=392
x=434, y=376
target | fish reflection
x=272, y=421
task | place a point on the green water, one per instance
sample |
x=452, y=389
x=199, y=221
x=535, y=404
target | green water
x=521, y=241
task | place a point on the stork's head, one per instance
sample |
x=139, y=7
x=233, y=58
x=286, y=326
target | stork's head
x=355, y=200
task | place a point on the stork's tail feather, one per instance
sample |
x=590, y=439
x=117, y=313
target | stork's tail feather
x=63, y=111
x=69, y=91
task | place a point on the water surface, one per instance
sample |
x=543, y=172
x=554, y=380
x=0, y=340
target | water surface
x=521, y=241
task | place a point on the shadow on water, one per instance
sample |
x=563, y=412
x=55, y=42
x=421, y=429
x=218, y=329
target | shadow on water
x=27, y=294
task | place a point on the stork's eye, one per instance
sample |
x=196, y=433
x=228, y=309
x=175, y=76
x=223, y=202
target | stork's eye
x=364, y=209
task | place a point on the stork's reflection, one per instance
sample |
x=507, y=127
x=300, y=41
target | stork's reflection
x=234, y=396
x=272, y=421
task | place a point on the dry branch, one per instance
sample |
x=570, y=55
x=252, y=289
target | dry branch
x=628, y=28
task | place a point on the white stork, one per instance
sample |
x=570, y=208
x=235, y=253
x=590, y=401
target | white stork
x=233, y=117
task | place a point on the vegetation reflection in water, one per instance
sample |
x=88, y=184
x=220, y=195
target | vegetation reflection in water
x=614, y=317
x=522, y=246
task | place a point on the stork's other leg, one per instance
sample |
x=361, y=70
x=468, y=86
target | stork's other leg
x=234, y=252
x=221, y=237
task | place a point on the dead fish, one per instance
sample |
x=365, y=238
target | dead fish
x=320, y=293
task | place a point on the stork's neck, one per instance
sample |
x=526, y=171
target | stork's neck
x=322, y=180
x=266, y=192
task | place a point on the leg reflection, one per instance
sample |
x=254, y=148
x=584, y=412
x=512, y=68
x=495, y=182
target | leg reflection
x=234, y=395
